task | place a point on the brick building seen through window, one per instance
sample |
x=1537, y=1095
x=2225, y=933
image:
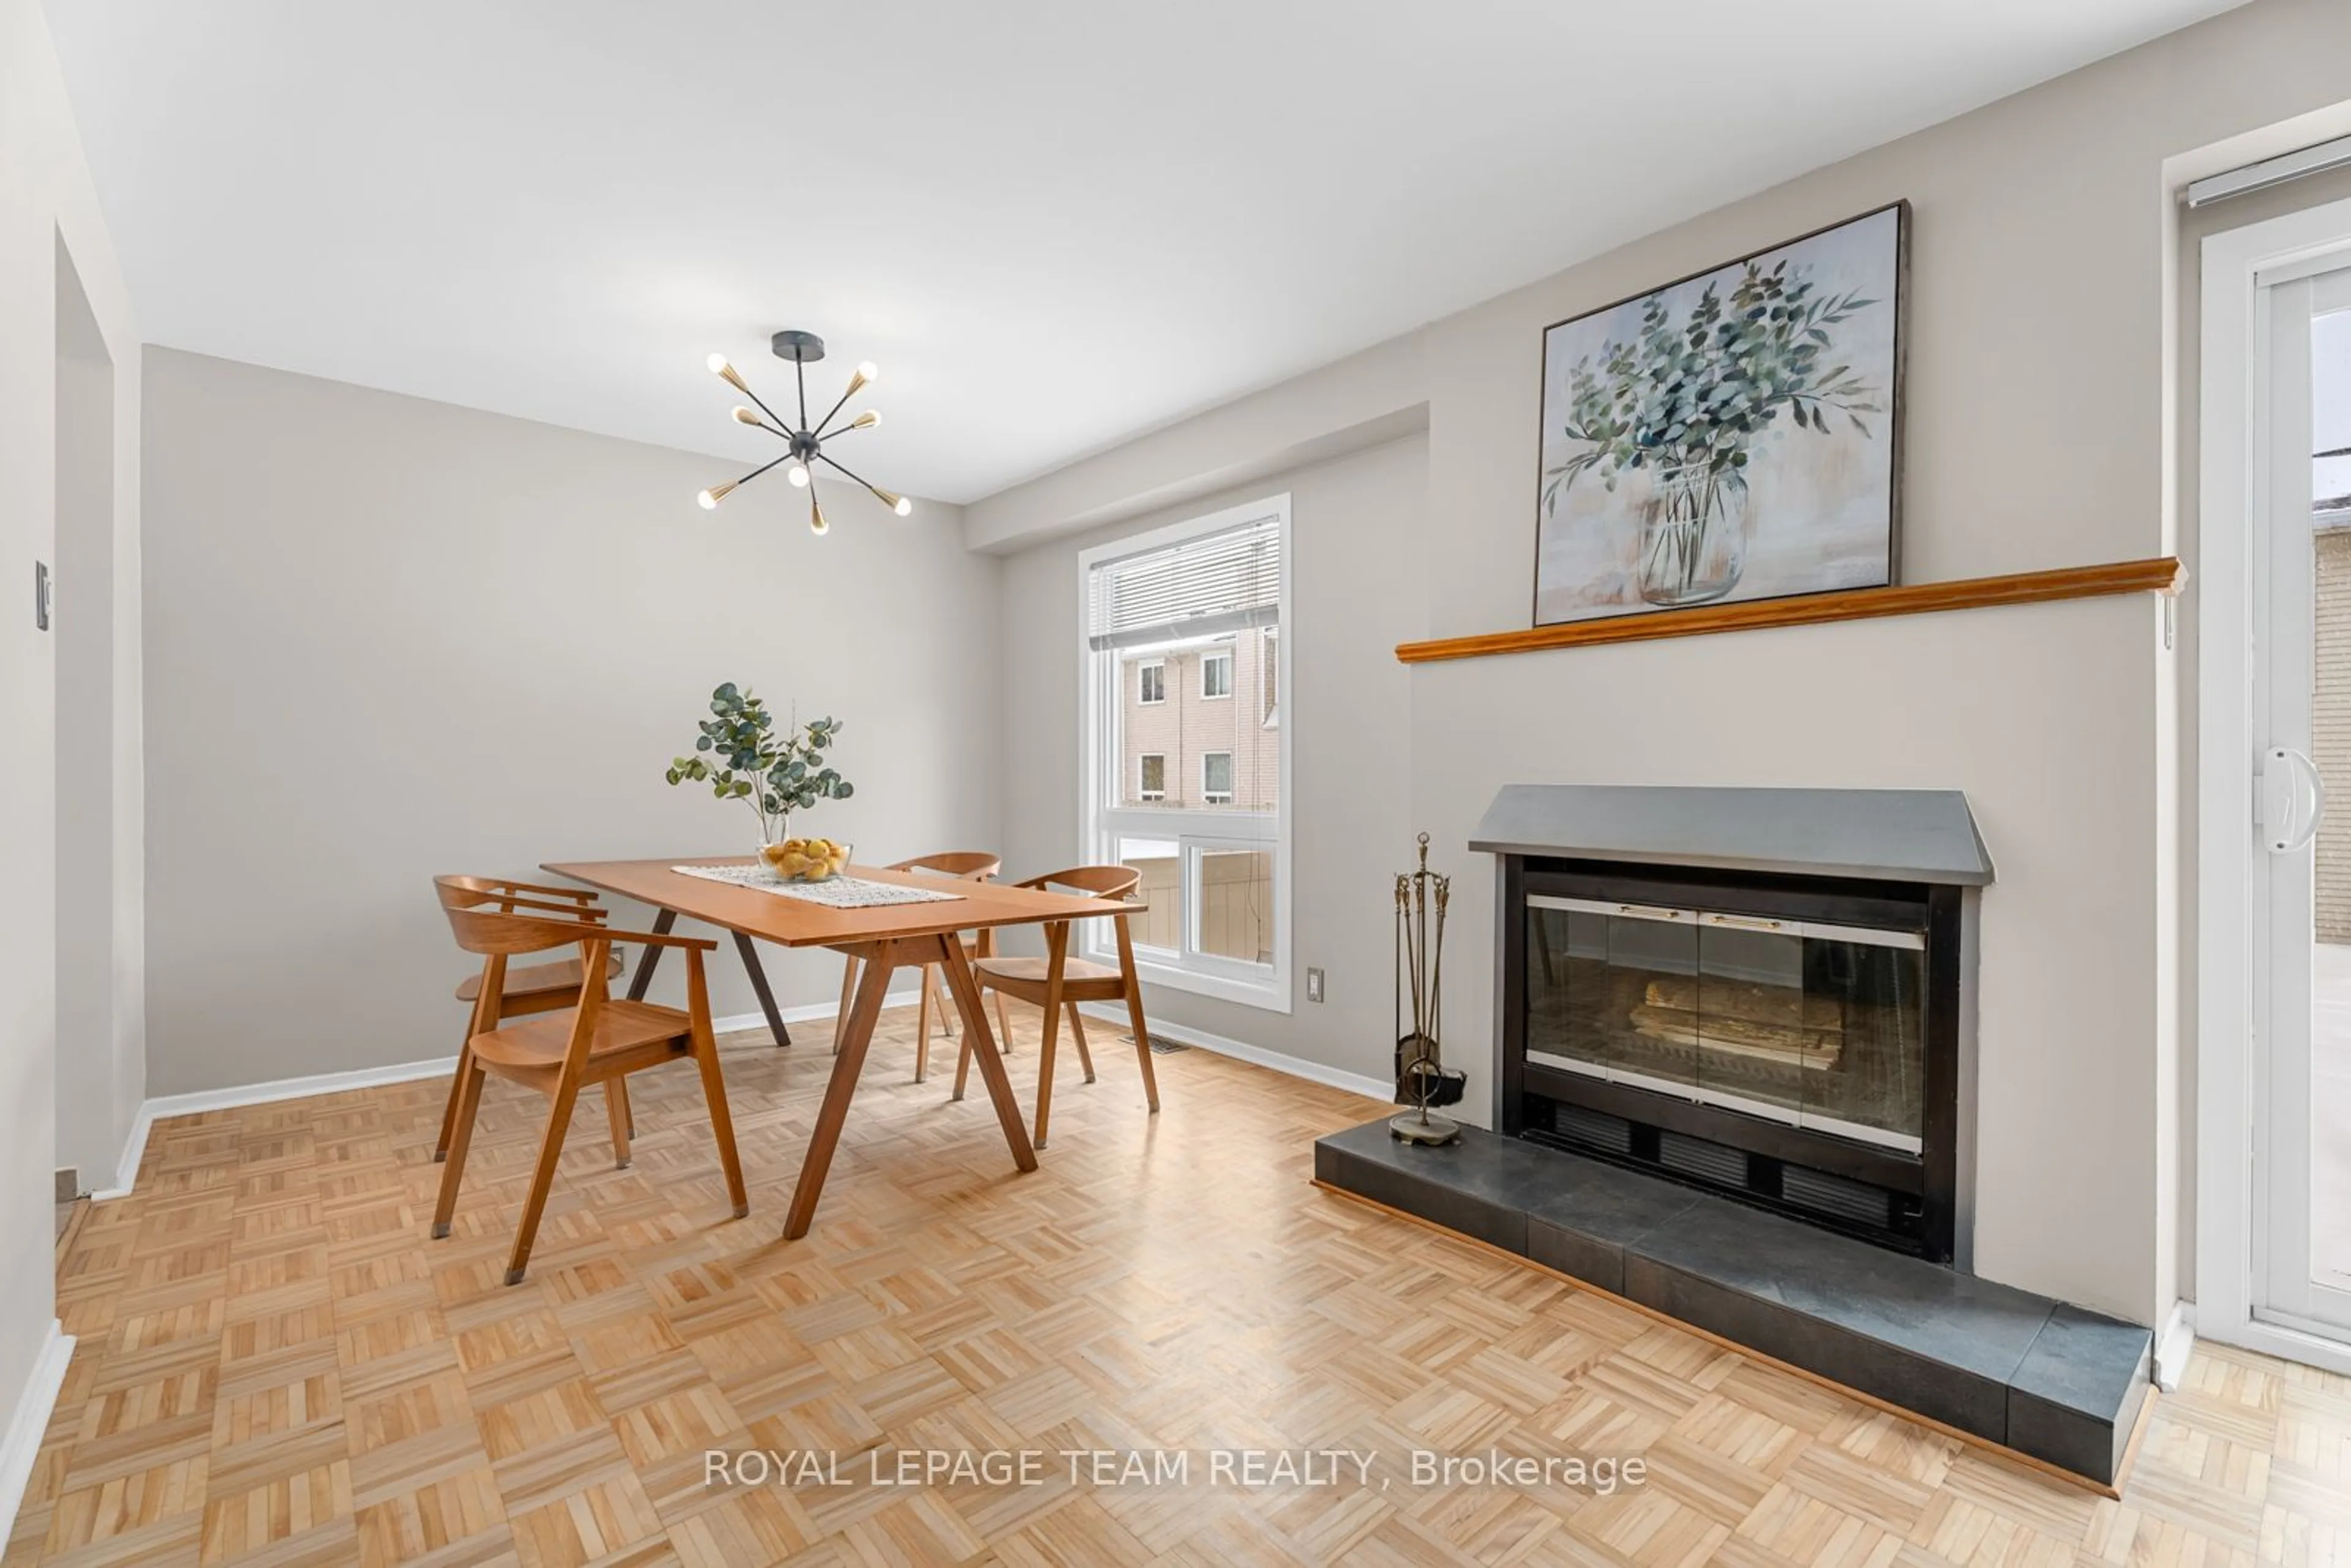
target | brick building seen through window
x=1199, y=729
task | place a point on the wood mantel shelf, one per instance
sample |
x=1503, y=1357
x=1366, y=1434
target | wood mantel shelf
x=2162, y=574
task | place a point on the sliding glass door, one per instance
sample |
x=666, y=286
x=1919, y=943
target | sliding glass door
x=2301, y=1035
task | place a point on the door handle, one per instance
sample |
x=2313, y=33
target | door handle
x=2282, y=834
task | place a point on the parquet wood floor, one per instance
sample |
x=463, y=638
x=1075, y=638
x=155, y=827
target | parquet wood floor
x=277, y=1366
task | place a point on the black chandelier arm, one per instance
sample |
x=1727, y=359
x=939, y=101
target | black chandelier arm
x=826, y=458
x=762, y=468
x=778, y=426
x=825, y=425
x=800, y=374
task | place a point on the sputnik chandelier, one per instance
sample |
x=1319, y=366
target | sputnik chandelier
x=804, y=442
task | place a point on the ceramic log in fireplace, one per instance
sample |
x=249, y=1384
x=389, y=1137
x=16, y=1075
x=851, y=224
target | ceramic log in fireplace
x=1758, y=992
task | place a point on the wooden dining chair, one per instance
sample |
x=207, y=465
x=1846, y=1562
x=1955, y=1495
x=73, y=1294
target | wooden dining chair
x=964, y=865
x=529, y=988
x=601, y=1042
x=1058, y=983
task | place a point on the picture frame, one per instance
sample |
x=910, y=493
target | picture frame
x=1667, y=471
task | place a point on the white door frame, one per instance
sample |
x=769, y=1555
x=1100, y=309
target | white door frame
x=2238, y=266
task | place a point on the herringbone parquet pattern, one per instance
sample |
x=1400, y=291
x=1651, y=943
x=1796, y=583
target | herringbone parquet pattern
x=276, y=1365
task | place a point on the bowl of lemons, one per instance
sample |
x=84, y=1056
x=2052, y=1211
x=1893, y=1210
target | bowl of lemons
x=806, y=860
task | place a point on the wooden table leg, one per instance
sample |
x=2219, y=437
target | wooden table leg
x=1135, y=1012
x=663, y=920
x=759, y=985
x=1056, y=947
x=981, y=1044
x=855, y=1036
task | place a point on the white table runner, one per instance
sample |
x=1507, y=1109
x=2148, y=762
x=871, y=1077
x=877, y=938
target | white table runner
x=840, y=893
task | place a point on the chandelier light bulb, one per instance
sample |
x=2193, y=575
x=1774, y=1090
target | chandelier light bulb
x=799, y=474
x=718, y=365
x=817, y=525
x=891, y=500
x=709, y=498
x=902, y=506
x=869, y=371
x=867, y=419
x=747, y=417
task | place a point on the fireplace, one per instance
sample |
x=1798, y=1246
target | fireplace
x=1756, y=992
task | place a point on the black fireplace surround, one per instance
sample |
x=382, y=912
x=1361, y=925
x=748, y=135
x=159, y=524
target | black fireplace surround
x=1788, y=1041
x=1731, y=1086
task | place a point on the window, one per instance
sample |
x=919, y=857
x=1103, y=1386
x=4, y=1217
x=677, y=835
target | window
x=1217, y=673
x=1194, y=797
x=1217, y=777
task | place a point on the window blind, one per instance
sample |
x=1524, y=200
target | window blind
x=1226, y=581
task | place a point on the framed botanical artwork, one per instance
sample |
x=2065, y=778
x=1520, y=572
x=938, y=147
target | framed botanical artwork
x=1733, y=435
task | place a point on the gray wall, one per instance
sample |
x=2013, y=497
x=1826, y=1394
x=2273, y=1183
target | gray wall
x=388, y=638
x=49, y=208
x=2043, y=432
x=1354, y=559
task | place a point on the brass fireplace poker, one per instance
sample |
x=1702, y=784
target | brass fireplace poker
x=1421, y=1079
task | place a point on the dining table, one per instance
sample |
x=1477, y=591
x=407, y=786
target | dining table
x=883, y=937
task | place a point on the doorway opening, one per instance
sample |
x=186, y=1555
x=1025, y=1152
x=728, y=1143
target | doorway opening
x=82, y=622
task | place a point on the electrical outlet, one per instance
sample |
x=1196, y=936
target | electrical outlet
x=1313, y=984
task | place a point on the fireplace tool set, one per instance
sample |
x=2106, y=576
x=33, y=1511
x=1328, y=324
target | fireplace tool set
x=1422, y=1078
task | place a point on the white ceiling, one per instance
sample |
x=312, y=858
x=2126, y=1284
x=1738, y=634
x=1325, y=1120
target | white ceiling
x=1053, y=221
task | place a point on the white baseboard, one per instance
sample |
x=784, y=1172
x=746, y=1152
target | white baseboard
x=1378, y=1089
x=2174, y=1337
x=2173, y=1342
x=34, y=1401
x=808, y=1012
x=165, y=1105
x=135, y=1148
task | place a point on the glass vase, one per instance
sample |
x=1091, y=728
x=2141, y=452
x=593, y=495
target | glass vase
x=1693, y=536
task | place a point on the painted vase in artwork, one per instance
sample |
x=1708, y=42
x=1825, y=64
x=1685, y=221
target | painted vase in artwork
x=1694, y=531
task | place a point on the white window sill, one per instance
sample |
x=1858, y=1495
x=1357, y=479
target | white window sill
x=1270, y=995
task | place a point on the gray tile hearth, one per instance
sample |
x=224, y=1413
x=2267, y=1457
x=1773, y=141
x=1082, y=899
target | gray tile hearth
x=2046, y=1379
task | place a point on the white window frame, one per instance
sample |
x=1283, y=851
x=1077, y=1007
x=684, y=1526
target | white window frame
x=1212, y=797
x=1103, y=823
x=1212, y=658
x=1143, y=691
x=1143, y=791
x=1273, y=686
x=1195, y=857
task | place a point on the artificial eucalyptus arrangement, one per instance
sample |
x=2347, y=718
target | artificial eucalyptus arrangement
x=741, y=756
x=1687, y=400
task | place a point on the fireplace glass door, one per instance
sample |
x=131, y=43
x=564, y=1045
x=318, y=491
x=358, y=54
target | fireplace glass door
x=1816, y=1025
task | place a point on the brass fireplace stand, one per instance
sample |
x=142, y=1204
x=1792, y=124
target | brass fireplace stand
x=1421, y=1078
